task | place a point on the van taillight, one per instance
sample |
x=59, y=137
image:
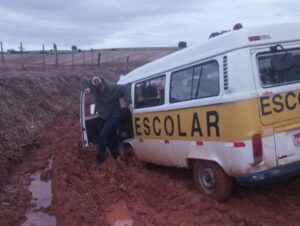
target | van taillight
x=257, y=148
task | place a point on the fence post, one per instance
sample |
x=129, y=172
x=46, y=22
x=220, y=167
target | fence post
x=99, y=59
x=21, y=50
x=83, y=58
x=56, y=56
x=72, y=58
x=2, y=55
x=107, y=56
x=92, y=52
x=44, y=62
x=127, y=64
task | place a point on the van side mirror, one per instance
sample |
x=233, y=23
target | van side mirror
x=283, y=62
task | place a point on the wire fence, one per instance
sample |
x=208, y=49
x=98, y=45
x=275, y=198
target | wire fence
x=80, y=58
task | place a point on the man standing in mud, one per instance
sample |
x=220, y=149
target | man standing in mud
x=111, y=105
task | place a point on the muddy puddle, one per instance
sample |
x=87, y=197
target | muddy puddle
x=118, y=215
x=41, y=192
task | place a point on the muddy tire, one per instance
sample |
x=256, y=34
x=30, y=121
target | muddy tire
x=129, y=156
x=211, y=179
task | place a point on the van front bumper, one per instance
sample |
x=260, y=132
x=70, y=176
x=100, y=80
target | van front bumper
x=272, y=175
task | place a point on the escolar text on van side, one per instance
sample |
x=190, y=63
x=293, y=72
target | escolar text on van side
x=279, y=102
x=171, y=125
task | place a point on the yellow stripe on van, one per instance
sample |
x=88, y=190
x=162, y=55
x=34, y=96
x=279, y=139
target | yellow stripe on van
x=279, y=107
x=228, y=122
x=221, y=122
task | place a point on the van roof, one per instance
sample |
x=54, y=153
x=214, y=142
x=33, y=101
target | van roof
x=221, y=44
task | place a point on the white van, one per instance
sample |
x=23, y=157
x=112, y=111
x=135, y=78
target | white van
x=228, y=107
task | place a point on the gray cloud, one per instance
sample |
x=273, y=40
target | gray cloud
x=119, y=23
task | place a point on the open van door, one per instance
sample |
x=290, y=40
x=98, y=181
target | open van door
x=90, y=123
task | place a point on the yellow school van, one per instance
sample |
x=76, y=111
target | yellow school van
x=228, y=108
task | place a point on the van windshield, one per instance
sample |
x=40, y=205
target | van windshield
x=279, y=67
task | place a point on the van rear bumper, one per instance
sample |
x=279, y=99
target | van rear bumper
x=271, y=175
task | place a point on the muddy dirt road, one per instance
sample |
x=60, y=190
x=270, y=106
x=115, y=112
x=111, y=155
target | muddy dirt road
x=152, y=195
x=155, y=195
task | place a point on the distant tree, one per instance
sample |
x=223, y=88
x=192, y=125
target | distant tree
x=182, y=44
x=11, y=51
x=74, y=48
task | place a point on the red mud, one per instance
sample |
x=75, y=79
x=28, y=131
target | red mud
x=152, y=195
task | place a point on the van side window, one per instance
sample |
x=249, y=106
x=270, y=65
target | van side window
x=284, y=70
x=150, y=93
x=195, y=82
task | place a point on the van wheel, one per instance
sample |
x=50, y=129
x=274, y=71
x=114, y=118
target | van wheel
x=210, y=178
x=129, y=156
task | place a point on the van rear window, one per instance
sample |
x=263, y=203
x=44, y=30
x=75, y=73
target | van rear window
x=279, y=67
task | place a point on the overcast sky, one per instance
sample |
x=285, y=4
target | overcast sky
x=131, y=23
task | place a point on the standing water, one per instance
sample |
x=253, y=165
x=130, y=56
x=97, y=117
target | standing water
x=41, y=198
